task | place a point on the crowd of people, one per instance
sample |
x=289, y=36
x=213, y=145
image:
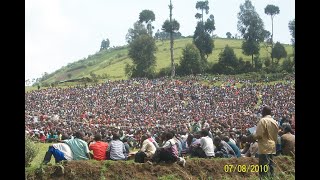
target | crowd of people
x=184, y=116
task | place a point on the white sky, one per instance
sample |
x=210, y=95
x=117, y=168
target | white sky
x=62, y=31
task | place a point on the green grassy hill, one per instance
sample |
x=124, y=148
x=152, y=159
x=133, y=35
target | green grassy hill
x=110, y=63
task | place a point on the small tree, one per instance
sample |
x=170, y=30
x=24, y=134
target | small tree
x=267, y=62
x=69, y=75
x=105, y=44
x=190, y=60
x=288, y=65
x=278, y=52
x=258, y=63
x=292, y=27
x=228, y=58
x=228, y=34
x=251, y=27
x=142, y=51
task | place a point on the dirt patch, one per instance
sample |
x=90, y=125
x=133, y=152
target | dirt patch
x=195, y=169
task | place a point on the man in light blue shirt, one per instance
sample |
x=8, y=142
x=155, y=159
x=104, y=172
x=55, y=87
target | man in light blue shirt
x=79, y=147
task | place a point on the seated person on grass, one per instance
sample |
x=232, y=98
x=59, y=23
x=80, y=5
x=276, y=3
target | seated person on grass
x=147, y=150
x=99, y=148
x=60, y=151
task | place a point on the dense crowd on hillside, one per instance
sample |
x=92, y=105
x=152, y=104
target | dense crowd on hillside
x=160, y=110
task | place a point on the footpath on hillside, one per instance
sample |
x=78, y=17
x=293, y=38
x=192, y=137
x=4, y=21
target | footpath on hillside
x=196, y=168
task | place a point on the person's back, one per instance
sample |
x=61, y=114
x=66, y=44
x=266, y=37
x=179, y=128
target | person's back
x=99, y=148
x=117, y=149
x=148, y=148
x=207, y=146
x=288, y=142
x=65, y=149
x=79, y=147
x=266, y=133
x=229, y=149
x=235, y=148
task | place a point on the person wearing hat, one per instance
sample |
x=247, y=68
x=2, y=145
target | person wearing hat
x=60, y=151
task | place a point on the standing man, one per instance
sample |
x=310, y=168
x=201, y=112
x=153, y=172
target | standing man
x=266, y=134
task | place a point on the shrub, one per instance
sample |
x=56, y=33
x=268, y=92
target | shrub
x=288, y=65
x=166, y=71
x=31, y=150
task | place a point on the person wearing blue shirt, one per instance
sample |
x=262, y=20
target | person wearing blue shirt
x=233, y=146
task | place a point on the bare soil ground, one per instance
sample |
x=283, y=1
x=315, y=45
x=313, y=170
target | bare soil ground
x=195, y=169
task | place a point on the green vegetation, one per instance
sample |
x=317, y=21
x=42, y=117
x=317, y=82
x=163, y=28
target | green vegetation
x=31, y=151
x=42, y=149
x=112, y=62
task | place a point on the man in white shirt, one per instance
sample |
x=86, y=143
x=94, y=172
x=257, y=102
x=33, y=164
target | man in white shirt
x=60, y=151
x=206, y=144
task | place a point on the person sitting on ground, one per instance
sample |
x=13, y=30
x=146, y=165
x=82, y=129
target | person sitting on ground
x=169, y=151
x=178, y=142
x=116, y=149
x=244, y=145
x=288, y=142
x=194, y=148
x=99, y=148
x=78, y=146
x=222, y=150
x=151, y=139
x=126, y=146
x=233, y=146
x=42, y=137
x=147, y=150
x=206, y=144
x=60, y=152
x=253, y=147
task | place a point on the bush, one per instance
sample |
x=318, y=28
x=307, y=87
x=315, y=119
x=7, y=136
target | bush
x=31, y=150
x=288, y=65
x=166, y=71
x=258, y=63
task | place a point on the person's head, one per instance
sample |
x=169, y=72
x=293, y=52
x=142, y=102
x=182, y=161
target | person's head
x=189, y=139
x=148, y=134
x=266, y=111
x=226, y=138
x=287, y=129
x=204, y=133
x=97, y=137
x=250, y=139
x=144, y=137
x=64, y=136
x=124, y=140
x=216, y=141
x=79, y=134
x=169, y=135
x=243, y=139
x=116, y=136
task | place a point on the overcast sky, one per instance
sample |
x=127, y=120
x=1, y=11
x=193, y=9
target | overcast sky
x=62, y=31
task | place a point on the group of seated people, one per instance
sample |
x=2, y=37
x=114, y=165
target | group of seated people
x=171, y=147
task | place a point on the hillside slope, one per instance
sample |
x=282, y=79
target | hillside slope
x=110, y=63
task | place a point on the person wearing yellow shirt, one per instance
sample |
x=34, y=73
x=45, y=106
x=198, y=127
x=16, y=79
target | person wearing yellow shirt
x=266, y=134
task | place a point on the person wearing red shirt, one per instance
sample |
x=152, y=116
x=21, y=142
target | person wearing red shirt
x=42, y=137
x=99, y=148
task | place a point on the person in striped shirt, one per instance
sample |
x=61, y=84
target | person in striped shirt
x=116, y=149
